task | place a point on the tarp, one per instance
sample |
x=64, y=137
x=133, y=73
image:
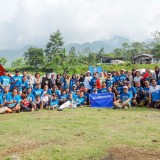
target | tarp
x=101, y=100
x=1, y=70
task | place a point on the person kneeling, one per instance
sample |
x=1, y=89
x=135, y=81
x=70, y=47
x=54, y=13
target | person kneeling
x=124, y=101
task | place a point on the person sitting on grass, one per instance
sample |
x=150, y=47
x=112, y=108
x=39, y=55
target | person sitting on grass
x=125, y=100
x=70, y=103
x=38, y=103
x=45, y=99
x=80, y=100
x=86, y=96
x=3, y=108
x=54, y=103
x=139, y=92
x=63, y=97
x=154, y=92
x=133, y=92
x=25, y=103
x=13, y=102
x=145, y=93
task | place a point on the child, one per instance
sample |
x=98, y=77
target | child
x=38, y=103
x=54, y=102
x=25, y=103
x=45, y=99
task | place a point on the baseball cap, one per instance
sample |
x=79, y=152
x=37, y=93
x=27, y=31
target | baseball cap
x=125, y=87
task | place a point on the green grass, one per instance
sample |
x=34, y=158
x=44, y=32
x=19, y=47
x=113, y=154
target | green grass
x=77, y=133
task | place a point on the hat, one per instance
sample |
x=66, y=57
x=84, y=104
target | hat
x=109, y=73
x=88, y=72
x=17, y=70
x=74, y=85
x=95, y=89
x=125, y=87
x=123, y=70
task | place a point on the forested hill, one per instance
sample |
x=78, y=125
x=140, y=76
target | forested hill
x=109, y=45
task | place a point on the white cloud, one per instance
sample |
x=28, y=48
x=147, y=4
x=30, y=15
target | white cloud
x=31, y=21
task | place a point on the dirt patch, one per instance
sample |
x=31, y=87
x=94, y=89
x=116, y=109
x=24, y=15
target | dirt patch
x=130, y=153
x=24, y=147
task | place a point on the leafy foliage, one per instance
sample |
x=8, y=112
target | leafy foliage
x=34, y=57
x=3, y=61
x=18, y=63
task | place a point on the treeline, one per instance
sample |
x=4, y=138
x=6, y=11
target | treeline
x=55, y=58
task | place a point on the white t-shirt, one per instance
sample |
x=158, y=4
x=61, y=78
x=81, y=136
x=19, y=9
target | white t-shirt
x=137, y=79
x=154, y=88
x=86, y=82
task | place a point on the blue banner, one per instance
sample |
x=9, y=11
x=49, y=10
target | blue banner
x=95, y=69
x=101, y=100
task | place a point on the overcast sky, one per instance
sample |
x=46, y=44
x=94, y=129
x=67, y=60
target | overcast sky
x=24, y=22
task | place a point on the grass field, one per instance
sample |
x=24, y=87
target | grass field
x=81, y=134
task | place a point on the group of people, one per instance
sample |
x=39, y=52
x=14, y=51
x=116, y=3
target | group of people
x=24, y=92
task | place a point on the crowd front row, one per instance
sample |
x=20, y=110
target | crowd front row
x=27, y=93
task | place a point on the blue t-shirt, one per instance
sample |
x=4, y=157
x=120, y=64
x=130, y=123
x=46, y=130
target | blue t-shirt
x=132, y=90
x=48, y=91
x=54, y=102
x=21, y=85
x=79, y=101
x=86, y=96
x=109, y=82
x=155, y=96
x=31, y=97
x=37, y=92
x=125, y=96
x=122, y=77
x=5, y=80
x=57, y=92
x=64, y=96
x=146, y=89
x=10, y=98
x=103, y=90
x=15, y=79
x=93, y=81
x=1, y=100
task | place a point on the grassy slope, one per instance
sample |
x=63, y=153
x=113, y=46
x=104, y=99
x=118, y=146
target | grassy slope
x=77, y=134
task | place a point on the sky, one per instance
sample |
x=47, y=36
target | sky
x=25, y=22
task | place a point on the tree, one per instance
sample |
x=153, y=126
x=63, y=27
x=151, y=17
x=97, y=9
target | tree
x=72, y=58
x=3, y=61
x=156, y=36
x=156, y=44
x=54, y=46
x=34, y=57
x=18, y=63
